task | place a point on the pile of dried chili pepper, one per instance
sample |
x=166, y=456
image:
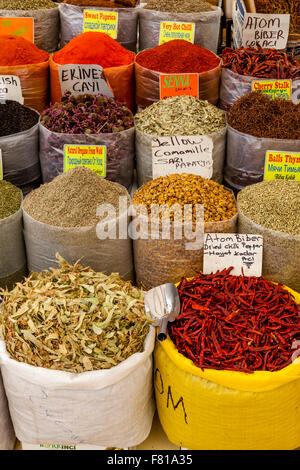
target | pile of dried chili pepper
x=259, y=62
x=236, y=323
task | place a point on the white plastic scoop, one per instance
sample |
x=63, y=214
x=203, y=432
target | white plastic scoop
x=163, y=304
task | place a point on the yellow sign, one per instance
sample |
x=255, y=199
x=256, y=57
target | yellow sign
x=170, y=30
x=89, y=156
x=274, y=88
x=282, y=166
x=101, y=21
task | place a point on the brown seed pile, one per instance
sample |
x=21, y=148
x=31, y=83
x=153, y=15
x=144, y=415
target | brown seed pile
x=218, y=202
x=258, y=115
x=71, y=199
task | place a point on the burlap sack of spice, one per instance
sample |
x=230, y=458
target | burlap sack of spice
x=34, y=82
x=46, y=26
x=119, y=79
x=233, y=86
x=224, y=410
x=71, y=21
x=207, y=27
x=246, y=156
x=143, y=146
x=120, y=152
x=43, y=241
x=20, y=156
x=109, y=408
x=280, y=253
x=148, y=89
x=12, y=250
x=159, y=261
x=7, y=434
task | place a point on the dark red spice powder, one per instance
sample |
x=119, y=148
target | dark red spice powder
x=236, y=323
x=178, y=56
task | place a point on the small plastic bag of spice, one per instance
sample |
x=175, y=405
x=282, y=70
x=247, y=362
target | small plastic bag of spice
x=7, y=434
x=207, y=26
x=246, y=155
x=46, y=22
x=71, y=20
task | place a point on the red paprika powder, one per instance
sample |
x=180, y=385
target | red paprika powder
x=19, y=51
x=178, y=56
x=94, y=48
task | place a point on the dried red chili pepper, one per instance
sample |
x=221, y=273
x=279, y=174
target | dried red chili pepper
x=262, y=63
x=235, y=323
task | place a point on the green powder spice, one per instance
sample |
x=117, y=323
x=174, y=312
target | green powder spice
x=180, y=115
x=178, y=6
x=26, y=4
x=10, y=199
x=273, y=204
x=71, y=199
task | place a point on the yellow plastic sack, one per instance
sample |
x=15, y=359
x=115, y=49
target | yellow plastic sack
x=225, y=410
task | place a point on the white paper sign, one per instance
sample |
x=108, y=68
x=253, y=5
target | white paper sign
x=242, y=251
x=10, y=88
x=266, y=30
x=79, y=78
x=182, y=154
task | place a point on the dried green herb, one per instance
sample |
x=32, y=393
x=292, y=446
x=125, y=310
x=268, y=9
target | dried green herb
x=178, y=6
x=73, y=319
x=180, y=115
x=72, y=198
x=10, y=199
x=273, y=204
x=26, y=4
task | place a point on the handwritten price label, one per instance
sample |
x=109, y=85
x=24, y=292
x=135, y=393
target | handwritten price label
x=89, y=156
x=178, y=85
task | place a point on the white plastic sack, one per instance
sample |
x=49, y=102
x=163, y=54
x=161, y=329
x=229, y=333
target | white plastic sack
x=234, y=86
x=46, y=26
x=207, y=27
x=120, y=153
x=12, y=250
x=7, y=435
x=143, y=147
x=110, y=408
x=43, y=241
x=246, y=156
x=20, y=156
x=71, y=21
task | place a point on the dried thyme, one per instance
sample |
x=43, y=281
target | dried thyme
x=180, y=115
x=273, y=204
x=10, y=199
x=73, y=319
x=71, y=199
x=178, y=6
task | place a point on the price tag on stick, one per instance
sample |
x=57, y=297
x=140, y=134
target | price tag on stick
x=178, y=84
x=182, y=154
x=266, y=30
x=101, y=21
x=274, y=88
x=242, y=251
x=88, y=156
x=170, y=30
x=282, y=166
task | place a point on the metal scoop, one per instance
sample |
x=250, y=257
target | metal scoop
x=163, y=304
